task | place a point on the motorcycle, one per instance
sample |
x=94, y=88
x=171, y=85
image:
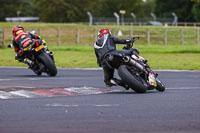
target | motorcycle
x=134, y=71
x=42, y=58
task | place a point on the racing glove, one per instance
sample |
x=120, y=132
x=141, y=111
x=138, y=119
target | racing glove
x=99, y=64
x=20, y=52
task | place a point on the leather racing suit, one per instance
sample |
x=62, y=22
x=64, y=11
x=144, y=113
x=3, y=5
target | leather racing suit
x=21, y=42
x=105, y=45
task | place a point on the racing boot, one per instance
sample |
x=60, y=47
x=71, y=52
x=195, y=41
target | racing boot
x=116, y=82
x=110, y=83
x=121, y=83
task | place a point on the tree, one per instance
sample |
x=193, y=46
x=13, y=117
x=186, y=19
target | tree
x=148, y=7
x=9, y=8
x=62, y=10
x=196, y=11
x=182, y=8
x=51, y=10
x=106, y=8
x=76, y=10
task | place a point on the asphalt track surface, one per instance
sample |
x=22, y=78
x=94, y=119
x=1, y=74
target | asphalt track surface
x=77, y=101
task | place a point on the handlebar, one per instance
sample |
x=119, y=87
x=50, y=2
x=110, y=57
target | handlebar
x=130, y=45
x=136, y=38
x=10, y=46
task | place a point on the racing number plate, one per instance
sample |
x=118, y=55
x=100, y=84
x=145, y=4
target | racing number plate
x=39, y=48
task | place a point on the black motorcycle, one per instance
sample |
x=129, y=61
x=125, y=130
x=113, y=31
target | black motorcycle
x=42, y=58
x=134, y=72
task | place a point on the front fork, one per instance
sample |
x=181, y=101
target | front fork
x=50, y=53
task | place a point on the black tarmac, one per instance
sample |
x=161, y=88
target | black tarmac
x=177, y=110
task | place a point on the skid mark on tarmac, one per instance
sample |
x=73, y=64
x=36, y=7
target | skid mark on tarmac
x=54, y=92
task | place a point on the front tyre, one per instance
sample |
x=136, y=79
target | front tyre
x=137, y=83
x=160, y=86
x=48, y=63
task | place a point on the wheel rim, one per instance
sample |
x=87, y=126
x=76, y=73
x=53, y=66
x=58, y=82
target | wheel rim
x=139, y=78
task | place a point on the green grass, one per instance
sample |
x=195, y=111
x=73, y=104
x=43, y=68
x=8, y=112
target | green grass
x=28, y=25
x=70, y=54
x=185, y=57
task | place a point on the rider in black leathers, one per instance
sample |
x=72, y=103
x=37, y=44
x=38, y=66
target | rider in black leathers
x=106, y=44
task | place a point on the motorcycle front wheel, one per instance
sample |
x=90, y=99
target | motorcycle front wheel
x=160, y=86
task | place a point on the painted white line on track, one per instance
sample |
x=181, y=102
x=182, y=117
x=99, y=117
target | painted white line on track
x=92, y=69
x=57, y=68
x=107, y=105
x=75, y=105
x=5, y=79
x=170, y=70
x=61, y=105
x=84, y=90
x=7, y=95
x=90, y=90
x=161, y=70
x=33, y=79
x=184, y=88
x=21, y=79
x=27, y=94
x=14, y=67
x=39, y=78
x=33, y=93
x=26, y=87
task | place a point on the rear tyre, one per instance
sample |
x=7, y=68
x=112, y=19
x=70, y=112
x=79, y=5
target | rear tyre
x=160, y=86
x=48, y=63
x=136, y=83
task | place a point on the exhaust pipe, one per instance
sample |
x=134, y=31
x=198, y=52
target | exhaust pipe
x=132, y=62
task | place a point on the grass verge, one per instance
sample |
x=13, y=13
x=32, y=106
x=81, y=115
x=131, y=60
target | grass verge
x=180, y=57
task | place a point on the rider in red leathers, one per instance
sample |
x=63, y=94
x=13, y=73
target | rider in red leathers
x=22, y=41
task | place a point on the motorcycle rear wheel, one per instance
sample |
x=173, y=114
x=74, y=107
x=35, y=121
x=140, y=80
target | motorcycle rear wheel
x=136, y=83
x=51, y=69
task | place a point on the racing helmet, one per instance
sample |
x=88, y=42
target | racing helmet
x=102, y=32
x=16, y=29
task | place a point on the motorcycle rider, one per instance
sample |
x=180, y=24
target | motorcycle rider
x=106, y=45
x=22, y=41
